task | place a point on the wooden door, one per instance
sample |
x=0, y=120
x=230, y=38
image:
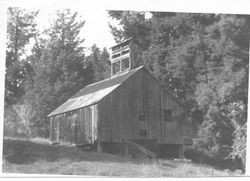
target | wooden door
x=89, y=119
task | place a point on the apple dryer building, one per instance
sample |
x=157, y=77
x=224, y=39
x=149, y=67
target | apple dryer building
x=129, y=106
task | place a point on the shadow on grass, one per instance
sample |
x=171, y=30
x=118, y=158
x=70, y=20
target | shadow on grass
x=219, y=163
x=26, y=152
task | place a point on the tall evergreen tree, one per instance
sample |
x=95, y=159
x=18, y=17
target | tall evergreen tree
x=60, y=69
x=21, y=26
x=100, y=63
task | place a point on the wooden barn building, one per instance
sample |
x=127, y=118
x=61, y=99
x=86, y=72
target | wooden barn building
x=128, y=109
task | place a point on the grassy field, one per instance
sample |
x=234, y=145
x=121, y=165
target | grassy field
x=21, y=156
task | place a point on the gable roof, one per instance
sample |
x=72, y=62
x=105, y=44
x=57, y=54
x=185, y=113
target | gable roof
x=93, y=93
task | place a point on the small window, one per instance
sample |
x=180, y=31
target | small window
x=141, y=116
x=125, y=63
x=116, y=67
x=143, y=132
x=125, y=52
x=168, y=115
x=115, y=55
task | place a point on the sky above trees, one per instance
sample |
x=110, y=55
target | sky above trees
x=96, y=17
x=96, y=30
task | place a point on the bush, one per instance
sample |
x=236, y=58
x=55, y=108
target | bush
x=199, y=156
x=190, y=152
x=13, y=126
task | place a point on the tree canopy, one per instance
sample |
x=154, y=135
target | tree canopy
x=202, y=59
x=57, y=69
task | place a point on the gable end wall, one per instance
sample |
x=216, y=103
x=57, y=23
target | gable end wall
x=119, y=112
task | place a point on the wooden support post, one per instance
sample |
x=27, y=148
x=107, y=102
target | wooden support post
x=181, y=151
x=51, y=129
x=99, y=146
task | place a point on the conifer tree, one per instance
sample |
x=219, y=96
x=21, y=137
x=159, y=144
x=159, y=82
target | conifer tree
x=60, y=69
x=21, y=27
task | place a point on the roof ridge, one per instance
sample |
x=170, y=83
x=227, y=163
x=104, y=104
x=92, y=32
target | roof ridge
x=113, y=77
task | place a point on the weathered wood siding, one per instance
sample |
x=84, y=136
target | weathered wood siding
x=54, y=129
x=119, y=112
x=170, y=131
x=76, y=127
x=151, y=104
x=117, y=116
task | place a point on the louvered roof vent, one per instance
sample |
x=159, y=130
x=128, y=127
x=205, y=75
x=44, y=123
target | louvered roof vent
x=121, y=59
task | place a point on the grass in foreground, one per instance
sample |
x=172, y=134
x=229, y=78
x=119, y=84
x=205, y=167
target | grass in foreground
x=29, y=157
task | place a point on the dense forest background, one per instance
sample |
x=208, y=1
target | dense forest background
x=201, y=59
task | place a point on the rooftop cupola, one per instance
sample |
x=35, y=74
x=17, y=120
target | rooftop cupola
x=121, y=57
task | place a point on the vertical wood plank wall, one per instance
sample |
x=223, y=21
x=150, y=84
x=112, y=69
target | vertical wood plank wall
x=119, y=111
x=52, y=131
x=75, y=128
x=152, y=106
x=170, y=130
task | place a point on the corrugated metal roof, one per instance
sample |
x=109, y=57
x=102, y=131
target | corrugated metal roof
x=93, y=93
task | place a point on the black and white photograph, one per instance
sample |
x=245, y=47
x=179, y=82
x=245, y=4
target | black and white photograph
x=95, y=90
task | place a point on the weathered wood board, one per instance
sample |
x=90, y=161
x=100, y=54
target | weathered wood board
x=119, y=112
x=75, y=128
